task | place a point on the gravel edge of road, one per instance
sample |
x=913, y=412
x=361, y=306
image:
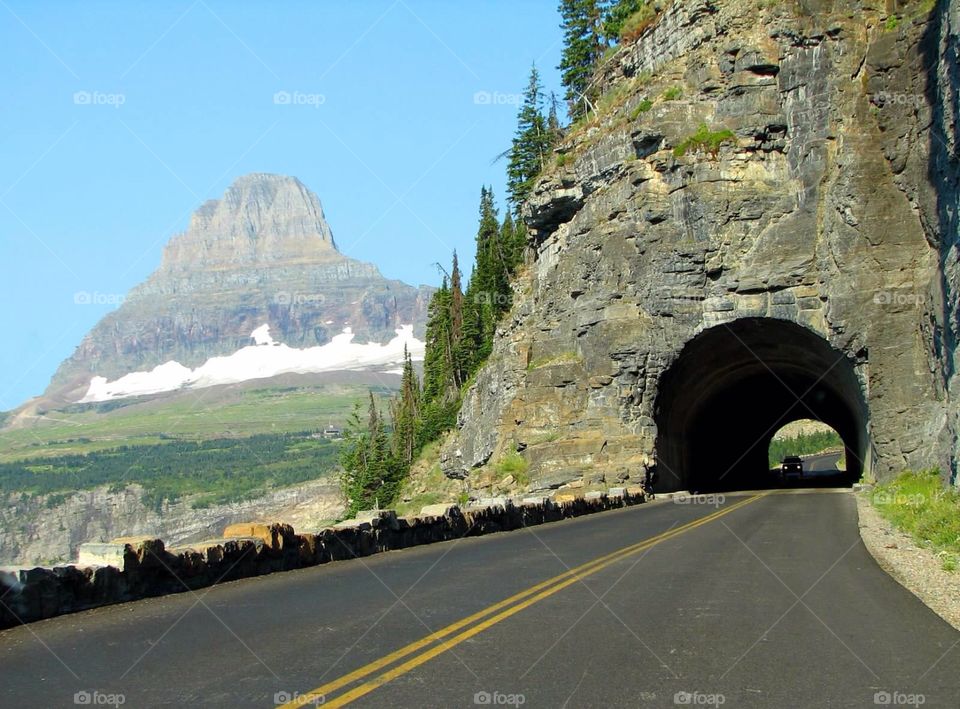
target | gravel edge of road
x=915, y=568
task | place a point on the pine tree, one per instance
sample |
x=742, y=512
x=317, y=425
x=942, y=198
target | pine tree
x=373, y=416
x=513, y=243
x=489, y=280
x=382, y=476
x=531, y=143
x=438, y=358
x=458, y=366
x=554, y=131
x=472, y=341
x=357, y=478
x=405, y=413
x=583, y=46
x=617, y=14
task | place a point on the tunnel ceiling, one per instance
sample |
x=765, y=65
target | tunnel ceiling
x=734, y=385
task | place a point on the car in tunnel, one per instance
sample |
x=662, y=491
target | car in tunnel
x=791, y=467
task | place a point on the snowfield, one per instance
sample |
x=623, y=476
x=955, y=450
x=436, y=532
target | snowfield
x=266, y=358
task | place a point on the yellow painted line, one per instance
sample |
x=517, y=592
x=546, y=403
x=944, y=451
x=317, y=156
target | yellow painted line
x=521, y=600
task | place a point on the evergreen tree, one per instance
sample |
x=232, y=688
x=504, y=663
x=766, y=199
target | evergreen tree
x=489, y=280
x=531, y=143
x=583, y=46
x=513, y=238
x=459, y=337
x=554, y=131
x=617, y=14
x=358, y=478
x=458, y=366
x=405, y=413
x=472, y=342
x=384, y=474
x=373, y=416
x=438, y=358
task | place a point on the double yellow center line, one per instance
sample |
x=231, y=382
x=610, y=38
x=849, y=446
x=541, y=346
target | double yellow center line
x=464, y=629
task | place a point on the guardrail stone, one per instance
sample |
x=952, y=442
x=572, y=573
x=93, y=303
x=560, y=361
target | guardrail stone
x=129, y=568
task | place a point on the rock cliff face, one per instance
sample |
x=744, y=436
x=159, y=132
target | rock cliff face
x=263, y=254
x=759, y=226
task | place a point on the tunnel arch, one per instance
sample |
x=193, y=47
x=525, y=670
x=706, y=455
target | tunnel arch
x=734, y=385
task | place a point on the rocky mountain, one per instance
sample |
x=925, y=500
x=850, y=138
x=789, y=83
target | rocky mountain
x=757, y=224
x=261, y=255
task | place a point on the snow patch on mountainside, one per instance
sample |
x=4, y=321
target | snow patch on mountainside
x=266, y=358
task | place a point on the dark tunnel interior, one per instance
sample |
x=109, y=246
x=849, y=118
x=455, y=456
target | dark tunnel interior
x=734, y=386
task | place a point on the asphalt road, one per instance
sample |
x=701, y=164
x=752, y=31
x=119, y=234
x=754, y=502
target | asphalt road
x=745, y=601
x=822, y=463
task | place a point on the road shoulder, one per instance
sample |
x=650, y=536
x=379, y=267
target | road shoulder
x=915, y=568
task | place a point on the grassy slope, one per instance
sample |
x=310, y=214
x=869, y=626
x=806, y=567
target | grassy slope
x=203, y=414
x=222, y=444
x=216, y=471
x=920, y=505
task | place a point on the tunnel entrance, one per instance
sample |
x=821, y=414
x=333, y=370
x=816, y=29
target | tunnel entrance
x=734, y=386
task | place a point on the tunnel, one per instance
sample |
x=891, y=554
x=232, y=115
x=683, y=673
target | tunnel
x=733, y=386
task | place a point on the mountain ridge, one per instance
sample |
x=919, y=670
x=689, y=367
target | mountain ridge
x=262, y=254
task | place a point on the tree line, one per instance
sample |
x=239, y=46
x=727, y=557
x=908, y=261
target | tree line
x=380, y=447
x=218, y=471
x=461, y=319
x=590, y=29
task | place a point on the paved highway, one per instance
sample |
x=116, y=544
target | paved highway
x=741, y=601
x=821, y=464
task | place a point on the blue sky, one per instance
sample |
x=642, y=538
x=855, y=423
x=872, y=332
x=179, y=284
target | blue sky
x=118, y=119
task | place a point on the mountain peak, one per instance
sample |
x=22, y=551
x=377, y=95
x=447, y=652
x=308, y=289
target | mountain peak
x=262, y=219
x=260, y=256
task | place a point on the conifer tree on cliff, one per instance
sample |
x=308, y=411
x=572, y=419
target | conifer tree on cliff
x=617, y=14
x=441, y=395
x=554, y=131
x=531, y=144
x=459, y=367
x=583, y=45
x=405, y=412
x=487, y=284
x=438, y=358
x=513, y=238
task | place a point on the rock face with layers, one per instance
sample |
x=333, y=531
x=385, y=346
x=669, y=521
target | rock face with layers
x=760, y=226
x=263, y=254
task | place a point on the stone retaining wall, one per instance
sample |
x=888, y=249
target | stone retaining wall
x=131, y=568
